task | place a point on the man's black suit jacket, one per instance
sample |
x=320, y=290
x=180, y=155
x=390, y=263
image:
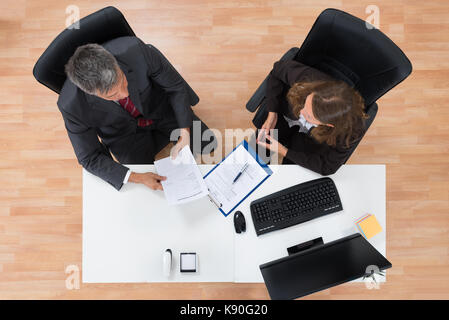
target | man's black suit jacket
x=156, y=90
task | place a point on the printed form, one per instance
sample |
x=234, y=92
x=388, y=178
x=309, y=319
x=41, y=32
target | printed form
x=220, y=180
x=184, y=180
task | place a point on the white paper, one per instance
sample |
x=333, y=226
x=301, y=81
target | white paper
x=184, y=181
x=220, y=181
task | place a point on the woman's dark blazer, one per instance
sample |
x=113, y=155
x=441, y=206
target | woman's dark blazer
x=302, y=148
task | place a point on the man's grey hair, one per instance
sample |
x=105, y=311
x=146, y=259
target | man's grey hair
x=92, y=69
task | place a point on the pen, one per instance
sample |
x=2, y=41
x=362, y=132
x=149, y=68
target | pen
x=240, y=173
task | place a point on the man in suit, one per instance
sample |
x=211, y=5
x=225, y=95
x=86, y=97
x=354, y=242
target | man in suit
x=128, y=94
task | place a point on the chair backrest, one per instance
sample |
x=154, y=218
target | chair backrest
x=342, y=46
x=98, y=27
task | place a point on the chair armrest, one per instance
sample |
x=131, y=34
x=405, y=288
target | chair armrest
x=371, y=111
x=256, y=99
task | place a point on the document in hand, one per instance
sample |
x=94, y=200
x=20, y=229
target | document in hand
x=184, y=181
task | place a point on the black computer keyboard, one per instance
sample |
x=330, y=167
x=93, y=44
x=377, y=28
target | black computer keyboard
x=294, y=205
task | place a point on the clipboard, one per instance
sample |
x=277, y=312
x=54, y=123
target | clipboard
x=261, y=163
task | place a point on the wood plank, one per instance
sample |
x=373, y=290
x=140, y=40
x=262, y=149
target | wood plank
x=224, y=49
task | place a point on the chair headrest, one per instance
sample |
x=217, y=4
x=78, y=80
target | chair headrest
x=344, y=47
x=98, y=27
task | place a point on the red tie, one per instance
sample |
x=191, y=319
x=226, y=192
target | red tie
x=128, y=105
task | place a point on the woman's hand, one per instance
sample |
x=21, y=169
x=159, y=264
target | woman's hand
x=274, y=145
x=269, y=124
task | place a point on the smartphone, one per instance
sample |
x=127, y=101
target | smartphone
x=188, y=262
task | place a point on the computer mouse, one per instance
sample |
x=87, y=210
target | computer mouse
x=239, y=222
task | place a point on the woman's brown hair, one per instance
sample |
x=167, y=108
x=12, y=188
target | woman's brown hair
x=335, y=103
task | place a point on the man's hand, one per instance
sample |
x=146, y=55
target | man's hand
x=269, y=124
x=274, y=145
x=184, y=140
x=150, y=179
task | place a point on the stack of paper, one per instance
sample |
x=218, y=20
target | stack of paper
x=368, y=226
x=184, y=181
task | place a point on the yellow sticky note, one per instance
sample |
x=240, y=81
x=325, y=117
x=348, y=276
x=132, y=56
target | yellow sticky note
x=370, y=226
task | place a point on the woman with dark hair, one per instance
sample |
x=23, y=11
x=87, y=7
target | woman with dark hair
x=319, y=119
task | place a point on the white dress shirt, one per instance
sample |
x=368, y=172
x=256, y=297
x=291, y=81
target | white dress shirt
x=304, y=126
x=129, y=171
x=127, y=177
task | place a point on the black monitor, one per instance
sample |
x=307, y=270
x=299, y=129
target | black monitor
x=321, y=267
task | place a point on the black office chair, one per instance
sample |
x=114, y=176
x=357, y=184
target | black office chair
x=342, y=46
x=98, y=27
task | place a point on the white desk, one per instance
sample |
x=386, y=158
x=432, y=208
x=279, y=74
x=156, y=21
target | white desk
x=126, y=232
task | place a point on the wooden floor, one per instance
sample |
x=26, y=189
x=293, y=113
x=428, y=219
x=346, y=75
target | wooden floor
x=223, y=48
